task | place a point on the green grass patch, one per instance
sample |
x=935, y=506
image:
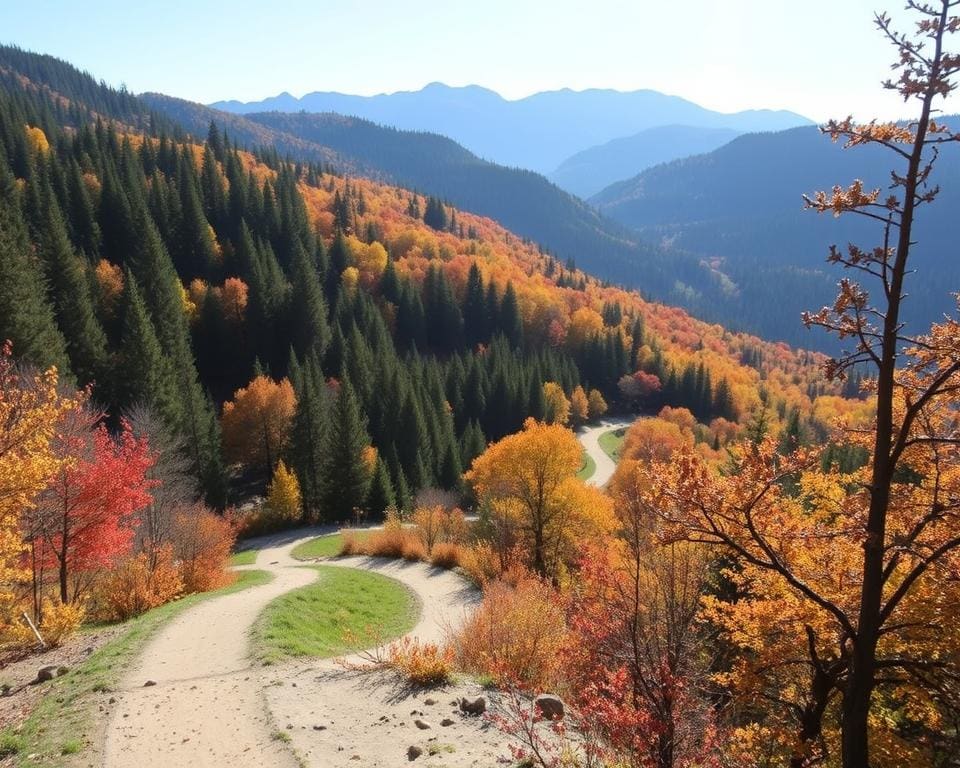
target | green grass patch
x=324, y=546
x=62, y=724
x=588, y=467
x=611, y=442
x=247, y=557
x=345, y=610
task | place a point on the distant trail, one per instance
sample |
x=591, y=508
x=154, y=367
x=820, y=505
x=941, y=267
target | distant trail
x=589, y=439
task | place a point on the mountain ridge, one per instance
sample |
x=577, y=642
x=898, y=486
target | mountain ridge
x=511, y=132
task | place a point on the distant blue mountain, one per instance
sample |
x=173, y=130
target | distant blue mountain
x=538, y=132
x=594, y=169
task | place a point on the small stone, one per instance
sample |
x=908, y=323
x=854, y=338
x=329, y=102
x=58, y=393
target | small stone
x=319, y=727
x=423, y=725
x=354, y=757
x=149, y=683
x=475, y=706
x=112, y=700
x=46, y=673
x=413, y=752
x=549, y=707
x=446, y=721
x=429, y=702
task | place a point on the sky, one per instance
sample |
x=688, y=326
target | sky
x=821, y=59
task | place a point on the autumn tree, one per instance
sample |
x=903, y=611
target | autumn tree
x=865, y=557
x=635, y=660
x=529, y=479
x=283, y=494
x=85, y=518
x=556, y=404
x=579, y=406
x=30, y=408
x=596, y=405
x=256, y=423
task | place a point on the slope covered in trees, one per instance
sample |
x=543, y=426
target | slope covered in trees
x=741, y=207
x=384, y=337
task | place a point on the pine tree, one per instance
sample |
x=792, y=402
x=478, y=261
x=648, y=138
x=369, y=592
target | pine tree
x=308, y=310
x=381, y=495
x=70, y=290
x=475, y=326
x=510, y=323
x=26, y=316
x=345, y=479
x=148, y=379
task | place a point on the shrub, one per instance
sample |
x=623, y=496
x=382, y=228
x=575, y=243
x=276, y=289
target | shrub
x=414, y=549
x=420, y=663
x=132, y=588
x=484, y=563
x=60, y=621
x=516, y=635
x=446, y=555
x=394, y=541
x=350, y=544
x=203, y=542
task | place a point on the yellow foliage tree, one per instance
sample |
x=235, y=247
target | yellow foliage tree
x=529, y=481
x=557, y=407
x=596, y=405
x=579, y=406
x=283, y=494
x=30, y=408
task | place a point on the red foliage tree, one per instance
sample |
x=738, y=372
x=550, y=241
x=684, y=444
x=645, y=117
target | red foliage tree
x=85, y=519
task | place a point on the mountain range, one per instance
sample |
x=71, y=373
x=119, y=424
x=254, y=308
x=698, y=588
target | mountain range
x=539, y=132
x=740, y=207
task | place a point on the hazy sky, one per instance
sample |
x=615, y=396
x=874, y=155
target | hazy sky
x=820, y=58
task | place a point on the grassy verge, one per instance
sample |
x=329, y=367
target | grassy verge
x=247, y=557
x=588, y=468
x=323, y=546
x=62, y=724
x=337, y=614
x=611, y=442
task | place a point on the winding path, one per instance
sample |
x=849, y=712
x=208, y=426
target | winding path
x=589, y=439
x=207, y=706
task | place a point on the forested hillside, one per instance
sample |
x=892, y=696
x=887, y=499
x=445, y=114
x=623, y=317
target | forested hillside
x=370, y=337
x=741, y=207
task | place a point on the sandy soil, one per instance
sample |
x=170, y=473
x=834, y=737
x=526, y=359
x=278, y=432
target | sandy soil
x=589, y=440
x=344, y=717
x=206, y=707
x=210, y=706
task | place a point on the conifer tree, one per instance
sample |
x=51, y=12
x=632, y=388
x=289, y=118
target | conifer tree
x=26, y=316
x=70, y=290
x=381, y=495
x=345, y=478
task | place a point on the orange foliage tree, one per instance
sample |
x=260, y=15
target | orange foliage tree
x=528, y=480
x=256, y=423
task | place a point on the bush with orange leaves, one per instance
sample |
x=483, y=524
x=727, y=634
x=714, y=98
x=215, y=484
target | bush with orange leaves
x=131, y=588
x=425, y=664
x=394, y=540
x=517, y=634
x=446, y=555
x=202, y=545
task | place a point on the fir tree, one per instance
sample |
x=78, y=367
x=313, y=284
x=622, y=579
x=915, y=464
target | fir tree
x=345, y=479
